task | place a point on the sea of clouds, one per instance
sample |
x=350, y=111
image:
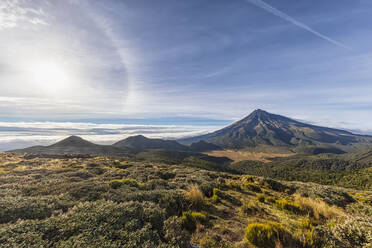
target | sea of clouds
x=24, y=134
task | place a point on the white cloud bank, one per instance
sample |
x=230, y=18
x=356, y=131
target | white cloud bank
x=24, y=134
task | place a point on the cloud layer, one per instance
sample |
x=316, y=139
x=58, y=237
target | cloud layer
x=25, y=134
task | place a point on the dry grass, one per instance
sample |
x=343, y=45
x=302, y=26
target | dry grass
x=318, y=208
x=7, y=158
x=194, y=196
x=241, y=155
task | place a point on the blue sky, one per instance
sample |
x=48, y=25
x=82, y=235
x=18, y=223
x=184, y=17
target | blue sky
x=194, y=61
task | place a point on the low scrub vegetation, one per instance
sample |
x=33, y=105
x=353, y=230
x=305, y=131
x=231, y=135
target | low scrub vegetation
x=96, y=202
x=317, y=208
x=125, y=181
x=190, y=219
x=288, y=206
x=319, y=169
x=266, y=235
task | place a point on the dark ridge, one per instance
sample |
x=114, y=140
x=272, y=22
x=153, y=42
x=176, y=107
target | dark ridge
x=142, y=143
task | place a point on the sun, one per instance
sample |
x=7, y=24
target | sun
x=49, y=76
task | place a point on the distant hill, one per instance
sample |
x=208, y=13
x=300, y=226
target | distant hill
x=141, y=143
x=202, y=146
x=263, y=128
x=74, y=145
x=352, y=169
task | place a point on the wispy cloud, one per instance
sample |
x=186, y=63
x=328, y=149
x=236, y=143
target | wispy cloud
x=13, y=12
x=263, y=5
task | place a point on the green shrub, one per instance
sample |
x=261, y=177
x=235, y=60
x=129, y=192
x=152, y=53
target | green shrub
x=274, y=185
x=363, y=198
x=15, y=208
x=175, y=234
x=307, y=233
x=190, y=219
x=265, y=235
x=249, y=208
x=288, y=206
x=270, y=199
x=207, y=188
x=214, y=241
x=115, y=184
x=248, y=179
x=216, y=195
x=91, y=224
x=251, y=187
x=261, y=197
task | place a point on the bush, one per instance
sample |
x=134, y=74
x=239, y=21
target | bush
x=15, y=208
x=249, y=208
x=115, y=184
x=261, y=197
x=307, y=233
x=354, y=232
x=190, y=219
x=270, y=199
x=91, y=224
x=288, y=206
x=363, y=198
x=213, y=241
x=274, y=185
x=266, y=235
x=251, y=187
x=248, y=179
x=175, y=234
x=216, y=195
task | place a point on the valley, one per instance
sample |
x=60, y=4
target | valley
x=242, y=155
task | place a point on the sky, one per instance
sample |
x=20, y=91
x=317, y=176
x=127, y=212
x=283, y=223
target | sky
x=185, y=67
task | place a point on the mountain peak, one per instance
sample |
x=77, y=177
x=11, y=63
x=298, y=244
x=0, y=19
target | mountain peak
x=257, y=115
x=259, y=112
x=73, y=141
x=264, y=128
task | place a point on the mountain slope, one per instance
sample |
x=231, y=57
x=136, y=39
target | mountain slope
x=263, y=128
x=74, y=145
x=141, y=143
x=202, y=146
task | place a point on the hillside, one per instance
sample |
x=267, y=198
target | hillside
x=263, y=128
x=202, y=146
x=74, y=145
x=105, y=202
x=346, y=170
x=141, y=143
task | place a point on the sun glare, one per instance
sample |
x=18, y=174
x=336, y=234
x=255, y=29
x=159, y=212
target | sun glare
x=49, y=76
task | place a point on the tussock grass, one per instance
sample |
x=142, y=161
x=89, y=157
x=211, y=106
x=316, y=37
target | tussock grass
x=194, y=196
x=317, y=208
